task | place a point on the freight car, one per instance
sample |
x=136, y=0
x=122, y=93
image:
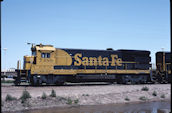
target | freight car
x=56, y=65
x=163, y=67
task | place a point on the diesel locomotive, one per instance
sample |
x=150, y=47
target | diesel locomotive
x=163, y=67
x=50, y=65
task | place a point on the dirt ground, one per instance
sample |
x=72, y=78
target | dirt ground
x=84, y=95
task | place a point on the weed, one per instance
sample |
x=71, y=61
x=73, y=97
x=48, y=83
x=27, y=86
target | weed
x=76, y=101
x=69, y=101
x=127, y=99
x=162, y=96
x=10, y=98
x=44, y=96
x=145, y=88
x=53, y=93
x=25, y=96
x=85, y=94
x=154, y=93
x=143, y=98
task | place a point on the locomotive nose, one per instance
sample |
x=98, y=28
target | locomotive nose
x=28, y=60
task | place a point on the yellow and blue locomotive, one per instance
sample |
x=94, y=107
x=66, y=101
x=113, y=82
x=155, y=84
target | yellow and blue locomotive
x=163, y=67
x=51, y=65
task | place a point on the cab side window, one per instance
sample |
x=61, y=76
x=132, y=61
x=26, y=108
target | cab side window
x=45, y=55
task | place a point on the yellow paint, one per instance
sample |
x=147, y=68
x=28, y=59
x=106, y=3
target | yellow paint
x=77, y=59
x=28, y=60
x=100, y=61
x=62, y=58
x=45, y=48
x=105, y=61
x=85, y=61
x=87, y=71
x=93, y=61
x=116, y=61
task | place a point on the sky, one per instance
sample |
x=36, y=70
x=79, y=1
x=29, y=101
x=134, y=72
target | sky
x=85, y=24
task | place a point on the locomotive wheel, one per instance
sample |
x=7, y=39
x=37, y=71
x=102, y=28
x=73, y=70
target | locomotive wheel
x=35, y=81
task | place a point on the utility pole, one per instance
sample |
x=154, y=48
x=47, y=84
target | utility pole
x=170, y=21
x=0, y=30
x=0, y=35
x=5, y=50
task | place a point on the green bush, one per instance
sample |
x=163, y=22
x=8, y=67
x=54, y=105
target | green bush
x=44, y=96
x=127, y=99
x=69, y=101
x=154, y=93
x=162, y=96
x=145, y=88
x=85, y=94
x=53, y=93
x=143, y=98
x=10, y=98
x=25, y=96
x=76, y=101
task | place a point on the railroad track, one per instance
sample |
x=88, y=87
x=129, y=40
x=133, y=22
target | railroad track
x=72, y=84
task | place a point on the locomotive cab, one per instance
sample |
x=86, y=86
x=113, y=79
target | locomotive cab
x=42, y=57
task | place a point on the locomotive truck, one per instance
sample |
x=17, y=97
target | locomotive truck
x=50, y=65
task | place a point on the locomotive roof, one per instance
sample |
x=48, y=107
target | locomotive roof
x=50, y=47
x=130, y=50
x=167, y=52
x=119, y=50
x=43, y=47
